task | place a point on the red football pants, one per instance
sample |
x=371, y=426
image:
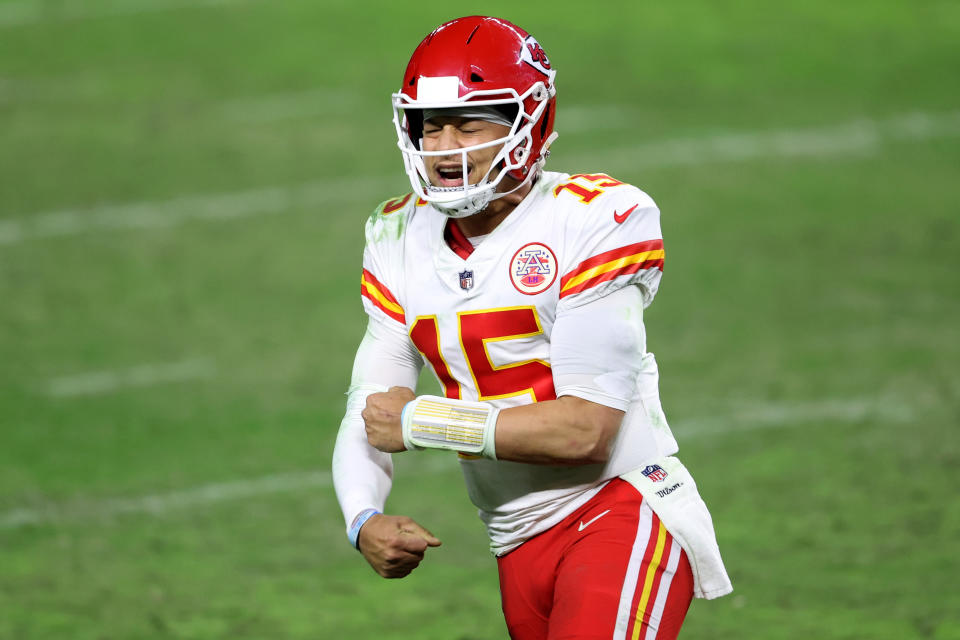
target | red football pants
x=609, y=570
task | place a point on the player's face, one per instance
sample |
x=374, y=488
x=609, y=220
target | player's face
x=443, y=133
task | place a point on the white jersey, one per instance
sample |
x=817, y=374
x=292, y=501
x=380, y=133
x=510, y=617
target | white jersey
x=484, y=322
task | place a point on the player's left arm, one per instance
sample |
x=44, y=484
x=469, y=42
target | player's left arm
x=598, y=341
x=596, y=350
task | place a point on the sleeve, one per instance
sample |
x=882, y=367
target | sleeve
x=381, y=281
x=614, y=242
x=597, y=348
x=362, y=475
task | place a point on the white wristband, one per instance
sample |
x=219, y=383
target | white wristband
x=353, y=534
x=458, y=425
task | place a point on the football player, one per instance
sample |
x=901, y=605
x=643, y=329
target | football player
x=524, y=291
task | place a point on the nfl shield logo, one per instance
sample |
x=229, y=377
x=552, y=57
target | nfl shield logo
x=655, y=472
x=466, y=280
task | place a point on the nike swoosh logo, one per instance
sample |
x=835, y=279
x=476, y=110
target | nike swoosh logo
x=623, y=216
x=584, y=525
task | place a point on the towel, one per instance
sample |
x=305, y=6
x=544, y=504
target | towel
x=672, y=494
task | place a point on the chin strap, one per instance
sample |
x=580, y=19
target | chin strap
x=545, y=152
x=535, y=171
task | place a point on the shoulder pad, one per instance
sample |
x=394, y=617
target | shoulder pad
x=390, y=218
x=586, y=187
x=394, y=205
x=596, y=198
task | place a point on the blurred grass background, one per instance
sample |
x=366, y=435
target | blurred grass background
x=182, y=192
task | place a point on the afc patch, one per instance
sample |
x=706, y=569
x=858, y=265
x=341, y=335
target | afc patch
x=533, y=268
x=655, y=473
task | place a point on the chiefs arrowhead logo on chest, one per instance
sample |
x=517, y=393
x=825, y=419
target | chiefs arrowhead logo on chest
x=533, y=268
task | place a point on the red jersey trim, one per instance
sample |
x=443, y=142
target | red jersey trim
x=458, y=242
x=396, y=204
x=606, y=266
x=374, y=291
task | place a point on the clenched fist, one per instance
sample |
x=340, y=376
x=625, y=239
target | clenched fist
x=394, y=545
x=381, y=417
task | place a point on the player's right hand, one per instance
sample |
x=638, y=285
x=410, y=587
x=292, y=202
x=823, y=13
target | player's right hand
x=394, y=545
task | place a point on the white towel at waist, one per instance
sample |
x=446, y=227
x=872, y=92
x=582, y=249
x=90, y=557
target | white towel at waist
x=672, y=494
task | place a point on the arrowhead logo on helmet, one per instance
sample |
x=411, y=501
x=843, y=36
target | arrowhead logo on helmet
x=534, y=55
x=463, y=63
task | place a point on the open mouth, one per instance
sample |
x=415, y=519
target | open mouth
x=451, y=175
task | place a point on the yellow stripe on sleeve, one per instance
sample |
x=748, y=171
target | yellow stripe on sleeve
x=617, y=264
x=379, y=297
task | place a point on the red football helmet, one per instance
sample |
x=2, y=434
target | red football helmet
x=478, y=62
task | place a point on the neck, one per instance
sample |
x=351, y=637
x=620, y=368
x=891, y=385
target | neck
x=483, y=222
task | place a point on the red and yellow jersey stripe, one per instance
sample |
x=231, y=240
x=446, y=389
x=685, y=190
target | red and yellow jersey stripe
x=606, y=266
x=395, y=204
x=374, y=290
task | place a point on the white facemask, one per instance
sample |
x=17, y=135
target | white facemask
x=468, y=199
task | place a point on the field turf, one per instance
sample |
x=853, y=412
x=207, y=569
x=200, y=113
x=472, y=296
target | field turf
x=183, y=187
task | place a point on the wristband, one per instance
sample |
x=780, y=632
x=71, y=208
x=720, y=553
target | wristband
x=433, y=422
x=354, y=532
x=410, y=446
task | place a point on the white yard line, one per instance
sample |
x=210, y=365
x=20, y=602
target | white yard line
x=144, y=375
x=170, y=213
x=755, y=417
x=200, y=496
x=859, y=136
x=161, y=503
x=761, y=417
x=283, y=106
x=29, y=12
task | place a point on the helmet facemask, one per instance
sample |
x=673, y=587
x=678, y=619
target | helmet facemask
x=512, y=159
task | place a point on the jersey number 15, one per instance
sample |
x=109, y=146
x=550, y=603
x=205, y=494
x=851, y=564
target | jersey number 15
x=476, y=329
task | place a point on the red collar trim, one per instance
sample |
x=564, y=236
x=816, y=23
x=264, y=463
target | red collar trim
x=458, y=242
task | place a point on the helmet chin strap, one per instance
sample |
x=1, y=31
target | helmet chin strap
x=535, y=170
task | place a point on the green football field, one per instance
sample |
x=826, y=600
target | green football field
x=183, y=187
